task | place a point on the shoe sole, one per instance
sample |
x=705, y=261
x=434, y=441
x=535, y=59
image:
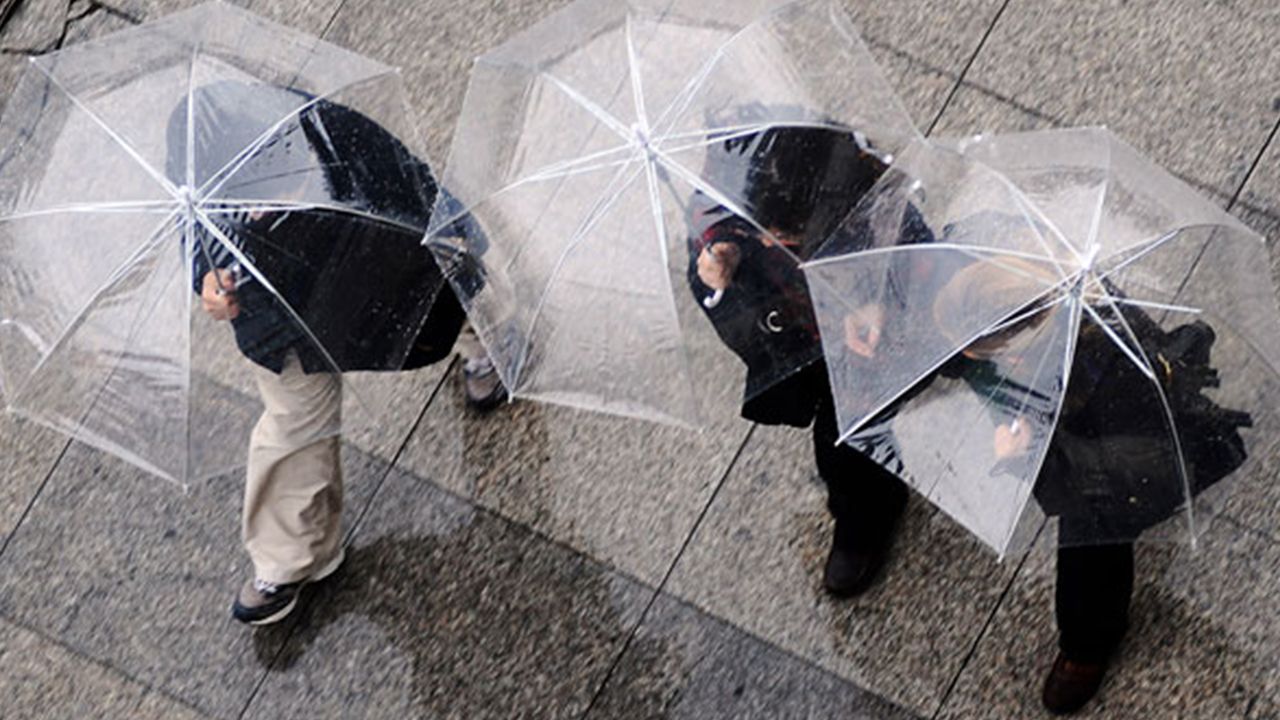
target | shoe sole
x=279, y=615
x=330, y=568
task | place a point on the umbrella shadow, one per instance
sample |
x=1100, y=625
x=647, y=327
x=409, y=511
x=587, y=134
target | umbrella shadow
x=487, y=616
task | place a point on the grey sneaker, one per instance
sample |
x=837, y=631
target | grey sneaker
x=263, y=603
x=483, y=385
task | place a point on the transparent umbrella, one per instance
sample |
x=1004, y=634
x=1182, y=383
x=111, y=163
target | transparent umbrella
x=133, y=166
x=594, y=153
x=1065, y=330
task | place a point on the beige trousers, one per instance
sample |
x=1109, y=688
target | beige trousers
x=468, y=343
x=293, y=492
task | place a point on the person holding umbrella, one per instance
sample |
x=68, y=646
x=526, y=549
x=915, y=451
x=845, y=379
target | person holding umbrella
x=799, y=183
x=1110, y=471
x=328, y=293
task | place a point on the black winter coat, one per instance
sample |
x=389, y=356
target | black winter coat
x=1112, y=467
x=352, y=280
x=766, y=316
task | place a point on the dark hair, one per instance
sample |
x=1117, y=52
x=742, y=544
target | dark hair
x=803, y=180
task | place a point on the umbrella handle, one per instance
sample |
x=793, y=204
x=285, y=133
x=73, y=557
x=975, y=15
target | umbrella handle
x=711, y=301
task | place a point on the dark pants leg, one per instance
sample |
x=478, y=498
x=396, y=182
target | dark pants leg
x=1095, y=584
x=865, y=499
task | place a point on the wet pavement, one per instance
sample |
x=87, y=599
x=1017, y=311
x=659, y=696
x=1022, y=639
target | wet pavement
x=540, y=562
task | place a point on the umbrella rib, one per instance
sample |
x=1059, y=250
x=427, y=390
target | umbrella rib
x=159, y=206
x=1183, y=475
x=79, y=318
x=946, y=357
x=977, y=252
x=191, y=118
x=637, y=89
x=267, y=285
x=1068, y=360
x=715, y=135
x=583, y=101
x=681, y=101
x=228, y=171
x=551, y=172
x=124, y=144
x=602, y=206
x=1141, y=363
x=706, y=188
x=225, y=207
x=1147, y=304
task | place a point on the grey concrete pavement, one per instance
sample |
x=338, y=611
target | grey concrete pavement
x=541, y=562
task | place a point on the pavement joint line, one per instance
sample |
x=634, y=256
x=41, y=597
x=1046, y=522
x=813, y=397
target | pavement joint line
x=1060, y=122
x=982, y=43
x=351, y=532
x=81, y=654
x=53, y=468
x=982, y=632
x=1257, y=161
x=986, y=626
x=660, y=590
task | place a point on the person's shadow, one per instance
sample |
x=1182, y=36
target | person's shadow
x=484, y=616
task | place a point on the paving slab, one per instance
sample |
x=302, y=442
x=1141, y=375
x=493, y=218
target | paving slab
x=1203, y=641
x=27, y=455
x=42, y=679
x=11, y=67
x=34, y=25
x=623, y=491
x=135, y=574
x=921, y=54
x=1191, y=84
x=446, y=611
x=756, y=561
x=310, y=16
x=715, y=671
x=1259, y=204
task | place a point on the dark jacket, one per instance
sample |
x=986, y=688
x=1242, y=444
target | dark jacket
x=1112, y=465
x=766, y=316
x=365, y=288
x=803, y=181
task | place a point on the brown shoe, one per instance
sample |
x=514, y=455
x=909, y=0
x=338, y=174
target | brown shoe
x=1071, y=684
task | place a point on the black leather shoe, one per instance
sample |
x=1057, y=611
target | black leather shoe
x=1070, y=685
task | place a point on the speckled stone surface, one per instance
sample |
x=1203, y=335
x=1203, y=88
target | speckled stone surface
x=624, y=491
x=1259, y=204
x=713, y=671
x=756, y=561
x=1192, y=84
x=1203, y=641
x=311, y=16
x=27, y=455
x=145, y=575
x=11, y=67
x=34, y=25
x=444, y=611
x=44, y=681
x=922, y=45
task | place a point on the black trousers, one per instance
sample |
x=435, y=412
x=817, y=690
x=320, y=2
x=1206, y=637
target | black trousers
x=1095, y=584
x=865, y=499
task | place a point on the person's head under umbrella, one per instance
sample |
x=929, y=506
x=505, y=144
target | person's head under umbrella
x=311, y=216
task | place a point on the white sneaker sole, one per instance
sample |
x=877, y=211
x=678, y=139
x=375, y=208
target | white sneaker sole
x=329, y=568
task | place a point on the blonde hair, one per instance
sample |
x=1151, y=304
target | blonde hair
x=991, y=283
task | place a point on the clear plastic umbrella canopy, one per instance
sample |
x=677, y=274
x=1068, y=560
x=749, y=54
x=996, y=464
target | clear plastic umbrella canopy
x=134, y=165
x=1065, y=330
x=597, y=150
